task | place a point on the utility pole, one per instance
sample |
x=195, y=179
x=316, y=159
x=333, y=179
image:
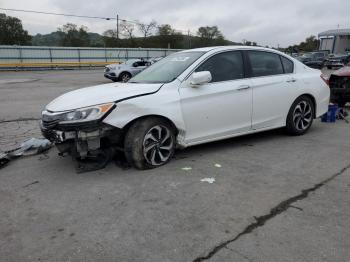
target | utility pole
x=117, y=26
x=189, y=39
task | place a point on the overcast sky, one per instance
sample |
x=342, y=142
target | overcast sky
x=268, y=22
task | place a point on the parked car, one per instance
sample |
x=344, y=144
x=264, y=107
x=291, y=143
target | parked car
x=313, y=59
x=339, y=83
x=188, y=98
x=337, y=61
x=123, y=72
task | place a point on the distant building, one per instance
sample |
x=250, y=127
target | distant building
x=336, y=40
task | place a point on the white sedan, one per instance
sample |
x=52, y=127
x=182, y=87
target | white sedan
x=188, y=98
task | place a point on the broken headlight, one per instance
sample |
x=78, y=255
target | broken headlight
x=86, y=114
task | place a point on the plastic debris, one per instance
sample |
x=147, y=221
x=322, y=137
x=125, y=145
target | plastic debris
x=217, y=165
x=186, y=168
x=210, y=180
x=30, y=147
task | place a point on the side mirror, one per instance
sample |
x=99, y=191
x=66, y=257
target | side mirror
x=200, y=78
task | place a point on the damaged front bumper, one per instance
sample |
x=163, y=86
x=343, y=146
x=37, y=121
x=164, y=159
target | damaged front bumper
x=92, y=146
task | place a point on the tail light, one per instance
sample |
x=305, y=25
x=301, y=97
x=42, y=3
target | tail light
x=325, y=79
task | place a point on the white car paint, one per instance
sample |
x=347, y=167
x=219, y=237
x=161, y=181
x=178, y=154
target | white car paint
x=114, y=71
x=210, y=111
x=99, y=94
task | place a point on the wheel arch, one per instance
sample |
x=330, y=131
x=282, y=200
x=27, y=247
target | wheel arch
x=166, y=119
x=125, y=72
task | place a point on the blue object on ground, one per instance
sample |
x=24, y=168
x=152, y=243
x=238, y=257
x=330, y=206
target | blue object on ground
x=331, y=115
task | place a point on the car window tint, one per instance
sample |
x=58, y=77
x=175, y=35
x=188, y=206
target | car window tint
x=265, y=63
x=224, y=66
x=287, y=65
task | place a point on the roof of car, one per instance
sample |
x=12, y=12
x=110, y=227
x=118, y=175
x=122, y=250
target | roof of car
x=229, y=47
x=335, y=32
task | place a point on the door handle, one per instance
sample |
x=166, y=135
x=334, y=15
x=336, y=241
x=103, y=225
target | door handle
x=292, y=80
x=243, y=87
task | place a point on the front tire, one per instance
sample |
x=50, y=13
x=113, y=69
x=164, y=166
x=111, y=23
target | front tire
x=300, y=116
x=149, y=143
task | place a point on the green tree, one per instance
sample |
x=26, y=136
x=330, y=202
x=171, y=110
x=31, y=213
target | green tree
x=209, y=36
x=311, y=43
x=12, y=32
x=209, y=32
x=71, y=35
x=165, y=30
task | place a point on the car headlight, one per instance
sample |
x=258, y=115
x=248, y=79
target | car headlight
x=86, y=114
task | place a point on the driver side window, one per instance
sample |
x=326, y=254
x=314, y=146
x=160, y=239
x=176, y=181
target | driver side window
x=224, y=66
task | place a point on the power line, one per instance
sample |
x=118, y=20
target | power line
x=59, y=14
x=80, y=16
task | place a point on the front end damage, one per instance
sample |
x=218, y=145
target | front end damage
x=340, y=89
x=91, y=144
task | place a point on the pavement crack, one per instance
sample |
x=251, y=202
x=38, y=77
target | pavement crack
x=19, y=120
x=278, y=209
x=30, y=184
x=240, y=254
x=299, y=208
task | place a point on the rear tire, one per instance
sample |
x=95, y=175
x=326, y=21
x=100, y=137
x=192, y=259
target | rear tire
x=149, y=143
x=300, y=116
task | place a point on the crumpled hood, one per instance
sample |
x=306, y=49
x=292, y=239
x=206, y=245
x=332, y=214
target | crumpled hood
x=99, y=94
x=344, y=71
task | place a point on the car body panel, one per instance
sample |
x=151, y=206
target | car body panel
x=211, y=111
x=200, y=107
x=344, y=71
x=100, y=94
x=114, y=71
x=339, y=83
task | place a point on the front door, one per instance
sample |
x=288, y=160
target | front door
x=222, y=107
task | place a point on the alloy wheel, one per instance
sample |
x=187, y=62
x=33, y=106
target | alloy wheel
x=125, y=78
x=302, y=115
x=158, y=145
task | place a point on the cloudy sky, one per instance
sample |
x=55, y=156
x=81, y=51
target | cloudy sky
x=268, y=22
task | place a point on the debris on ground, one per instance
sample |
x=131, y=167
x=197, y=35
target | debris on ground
x=217, y=165
x=187, y=168
x=342, y=114
x=30, y=147
x=210, y=180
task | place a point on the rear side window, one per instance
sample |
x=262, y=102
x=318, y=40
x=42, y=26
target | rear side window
x=287, y=65
x=224, y=66
x=265, y=63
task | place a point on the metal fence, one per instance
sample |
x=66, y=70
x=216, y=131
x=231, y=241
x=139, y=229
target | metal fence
x=39, y=56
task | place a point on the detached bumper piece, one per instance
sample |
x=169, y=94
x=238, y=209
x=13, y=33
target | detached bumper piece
x=90, y=149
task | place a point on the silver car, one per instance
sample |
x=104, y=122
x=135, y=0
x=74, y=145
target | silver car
x=123, y=72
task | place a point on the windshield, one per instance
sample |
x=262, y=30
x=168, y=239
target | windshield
x=167, y=69
x=131, y=61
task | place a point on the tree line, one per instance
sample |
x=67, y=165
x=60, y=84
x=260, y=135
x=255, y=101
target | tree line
x=129, y=35
x=148, y=35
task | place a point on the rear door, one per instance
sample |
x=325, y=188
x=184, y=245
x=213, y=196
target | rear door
x=274, y=86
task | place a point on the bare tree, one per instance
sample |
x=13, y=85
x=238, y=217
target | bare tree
x=127, y=29
x=147, y=29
